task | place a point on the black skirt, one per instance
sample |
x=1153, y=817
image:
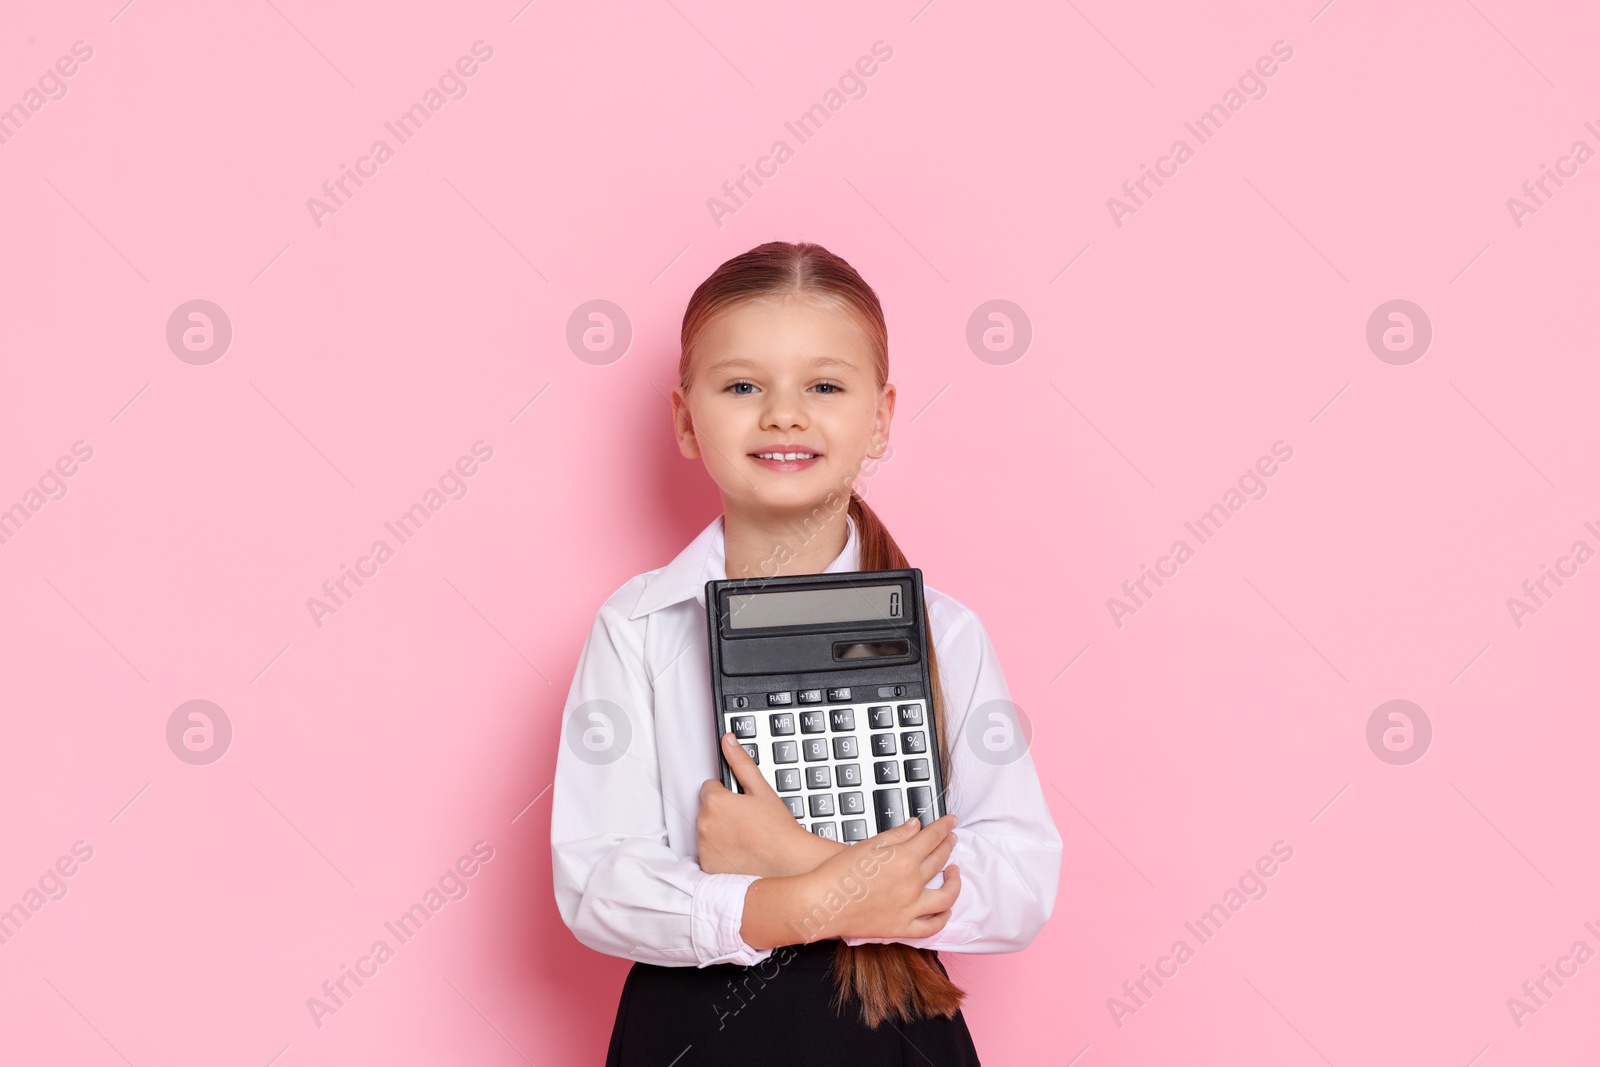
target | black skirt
x=778, y=1013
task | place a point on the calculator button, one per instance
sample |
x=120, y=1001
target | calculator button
x=797, y=807
x=788, y=779
x=881, y=716
x=910, y=714
x=738, y=703
x=885, y=691
x=883, y=744
x=818, y=778
x=785, y=752
x=742, y=725
x=810, y=696
x=920, y=797
x=839, y=694
x=815, y=748
x=916, y=770
x=751, y=750
x=822, y=804
x=813, y=722
x=849, y=773
x=781, y=723
x=886, y=771
x=825, y=829
x=843, y=718
x=845, y=748
x=890, y=809
x=775, y=699
x=852, y=803
x=916, y=741
x=855, y=830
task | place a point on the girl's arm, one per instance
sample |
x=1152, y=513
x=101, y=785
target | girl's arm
x=1009, y=850
x=620, y=887
x=878, y=887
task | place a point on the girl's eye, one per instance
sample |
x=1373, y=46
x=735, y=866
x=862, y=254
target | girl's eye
x=830, y=387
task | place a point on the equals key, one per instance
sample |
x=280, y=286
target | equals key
x=921, y=798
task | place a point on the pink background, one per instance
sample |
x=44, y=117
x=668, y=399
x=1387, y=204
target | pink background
x=428, y=313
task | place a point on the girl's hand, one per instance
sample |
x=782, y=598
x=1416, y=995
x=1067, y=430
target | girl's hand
x=878, y=888
x=753, y=832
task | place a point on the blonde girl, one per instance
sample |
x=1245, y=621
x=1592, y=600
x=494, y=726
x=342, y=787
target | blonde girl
x=757, y=939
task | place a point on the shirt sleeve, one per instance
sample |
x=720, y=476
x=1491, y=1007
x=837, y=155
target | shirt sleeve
x=1008, y=847
x=619, y=886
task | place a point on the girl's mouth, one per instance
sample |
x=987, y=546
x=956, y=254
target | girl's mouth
x=786, y=460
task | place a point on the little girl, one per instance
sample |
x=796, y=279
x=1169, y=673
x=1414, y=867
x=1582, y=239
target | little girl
x=757, y=941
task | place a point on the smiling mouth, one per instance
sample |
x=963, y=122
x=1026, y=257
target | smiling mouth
x=784, y=457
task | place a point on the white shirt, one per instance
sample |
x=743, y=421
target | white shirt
x=622, y=834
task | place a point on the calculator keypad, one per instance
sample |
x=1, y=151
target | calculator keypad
x=819, y=760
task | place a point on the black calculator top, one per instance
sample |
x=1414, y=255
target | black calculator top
x=823, y=678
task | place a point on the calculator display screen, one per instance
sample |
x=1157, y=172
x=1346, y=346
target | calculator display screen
x=870, y=603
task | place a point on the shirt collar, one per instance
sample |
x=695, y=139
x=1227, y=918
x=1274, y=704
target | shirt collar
x=705, y=559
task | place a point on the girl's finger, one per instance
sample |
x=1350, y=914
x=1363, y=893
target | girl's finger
x=744, y=769
x=931, y=836
x=895, y=835
x=943, y=898
x=928, y=926
x=935, y=861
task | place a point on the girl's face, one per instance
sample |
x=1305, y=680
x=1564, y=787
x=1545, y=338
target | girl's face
x=782, y=375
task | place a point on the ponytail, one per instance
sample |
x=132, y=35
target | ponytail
x=895, y=981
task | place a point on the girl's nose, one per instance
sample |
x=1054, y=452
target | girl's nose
x=784, y=411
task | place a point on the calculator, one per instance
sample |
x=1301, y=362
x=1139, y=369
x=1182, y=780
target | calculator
x=823, y=678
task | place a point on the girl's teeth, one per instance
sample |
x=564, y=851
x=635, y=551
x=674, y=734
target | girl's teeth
x=786, y=456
